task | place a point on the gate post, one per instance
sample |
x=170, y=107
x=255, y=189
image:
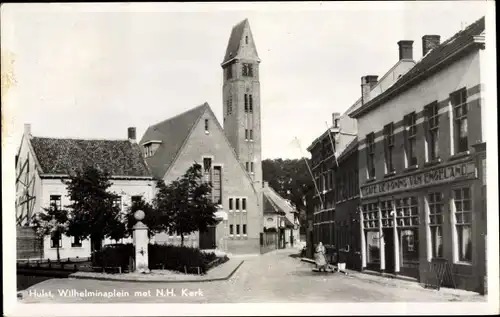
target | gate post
x=141, y=243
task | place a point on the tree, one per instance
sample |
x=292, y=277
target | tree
x=151, y=217
x=162, y=204
x=93, y=211
x=289, y=178
x=53, y=222
x=187, y=201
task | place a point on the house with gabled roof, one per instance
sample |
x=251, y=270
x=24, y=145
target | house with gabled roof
x=42, y=163
x=421, y=162
x=230, y=154
x=334, y=165
x=280, y=218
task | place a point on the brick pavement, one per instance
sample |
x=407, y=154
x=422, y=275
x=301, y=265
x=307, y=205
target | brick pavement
x=270, y=278
x=406, y=283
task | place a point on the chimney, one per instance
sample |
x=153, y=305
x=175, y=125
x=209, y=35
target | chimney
x=336, y=119
x=367, y=83
x=27, y=129
x=131, y=134
x=405, y=50
x=266, y=184
x=430, y=42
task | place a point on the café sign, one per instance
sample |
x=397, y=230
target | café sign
x=432, y=177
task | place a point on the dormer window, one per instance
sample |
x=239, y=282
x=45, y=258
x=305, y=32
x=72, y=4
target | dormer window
x=150, y=147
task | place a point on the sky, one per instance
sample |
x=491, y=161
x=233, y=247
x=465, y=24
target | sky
x=92, y=71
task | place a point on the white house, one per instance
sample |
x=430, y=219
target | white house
x=43, y=163
x=281, y=216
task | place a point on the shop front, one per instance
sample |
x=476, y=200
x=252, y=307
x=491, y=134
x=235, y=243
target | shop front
x=429, y=215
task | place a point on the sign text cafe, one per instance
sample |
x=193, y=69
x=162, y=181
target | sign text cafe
x=460, y=171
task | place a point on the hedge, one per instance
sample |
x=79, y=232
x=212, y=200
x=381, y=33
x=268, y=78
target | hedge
x=178, y=258
x=114, y=255
x=169, y=257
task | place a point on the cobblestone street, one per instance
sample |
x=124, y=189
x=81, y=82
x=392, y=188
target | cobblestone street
x=271, y=278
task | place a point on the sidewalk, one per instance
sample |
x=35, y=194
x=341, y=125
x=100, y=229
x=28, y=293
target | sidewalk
x=219, y=273
x=403, y=282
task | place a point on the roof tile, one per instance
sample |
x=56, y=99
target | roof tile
x=234, y=41
x=62, y=156
x=172, y=132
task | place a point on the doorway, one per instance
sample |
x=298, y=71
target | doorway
x=389, y=249
x=207, y=238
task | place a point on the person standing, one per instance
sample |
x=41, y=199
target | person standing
x=319, y=257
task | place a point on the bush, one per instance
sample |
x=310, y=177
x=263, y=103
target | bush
x=178, y=258
x=168, y=257
x=114, y=255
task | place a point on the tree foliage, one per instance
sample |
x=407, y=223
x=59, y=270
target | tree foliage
x=291, y=179
x=185, y=204
x=93, y=211
x=53, y=222
x=151, y=217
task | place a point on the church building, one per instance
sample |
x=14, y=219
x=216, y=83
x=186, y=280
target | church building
x=230, y=154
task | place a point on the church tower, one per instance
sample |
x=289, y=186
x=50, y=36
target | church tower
x=241, y=98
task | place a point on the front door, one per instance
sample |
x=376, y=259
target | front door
x=389, y=250
x=207, y=238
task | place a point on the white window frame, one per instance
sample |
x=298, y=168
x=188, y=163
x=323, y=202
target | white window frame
x=456, y=224
x=430, y=224
x=456, y=133
x=59, y=205
x=246, y=202
x=432, y=118
x=60, y=242
x=73, y=242
x=388, y=133
x=237, y=206
x=370, y=155
x=411, y=134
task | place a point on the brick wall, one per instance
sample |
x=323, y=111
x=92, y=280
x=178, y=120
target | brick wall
x=235, y=181
x=445, y=137
x=27, y=244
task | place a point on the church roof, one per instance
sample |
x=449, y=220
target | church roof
x=234, y=40
x=238, y=47
x=62, y=156
x=173, y=132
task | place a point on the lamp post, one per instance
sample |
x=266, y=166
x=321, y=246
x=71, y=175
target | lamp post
x=141, y=243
